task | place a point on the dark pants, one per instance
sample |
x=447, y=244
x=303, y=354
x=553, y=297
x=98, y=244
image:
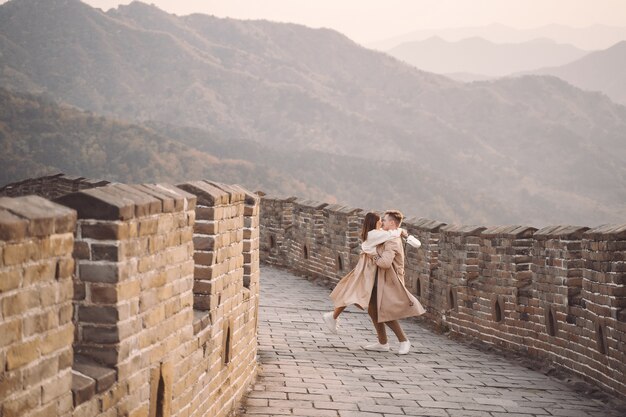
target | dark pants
x=394, y=325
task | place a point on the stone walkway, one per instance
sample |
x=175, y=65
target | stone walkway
x=305, y=371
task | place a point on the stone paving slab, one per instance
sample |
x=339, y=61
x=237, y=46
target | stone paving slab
x=307, y=372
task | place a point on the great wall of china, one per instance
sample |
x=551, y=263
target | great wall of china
x=142, y=300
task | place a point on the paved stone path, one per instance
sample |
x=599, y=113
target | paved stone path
x=305, y=371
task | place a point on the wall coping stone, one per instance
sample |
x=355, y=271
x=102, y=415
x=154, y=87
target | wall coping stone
x=122, y=202
x=104, y=377
x=83, y=388
x=182, y=199
x=33, y=216
x=145, y=204
x=235, y=195
x=339, y=209
x=607, y=231
x=59, y=175
x=169, y=201
x=463, y=230
x=311, y=204
x=511, y=232
x=424, y=224
x=567, y=232
x=282, y=199
x=250, y=198
x=207, y=194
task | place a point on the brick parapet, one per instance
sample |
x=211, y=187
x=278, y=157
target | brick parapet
x=226, y=288
x=555, y=294
x=36, y=326
x=139, y=347
x=422, y=265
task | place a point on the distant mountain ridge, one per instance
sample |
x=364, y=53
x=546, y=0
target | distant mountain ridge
x=588, y=38
x=479, y=56
x=346, y=122
x=39, y=137
x=603, y=71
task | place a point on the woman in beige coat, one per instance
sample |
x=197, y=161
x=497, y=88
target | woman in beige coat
x=393, y=300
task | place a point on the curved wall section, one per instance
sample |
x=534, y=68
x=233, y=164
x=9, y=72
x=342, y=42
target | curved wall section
x=556, y=294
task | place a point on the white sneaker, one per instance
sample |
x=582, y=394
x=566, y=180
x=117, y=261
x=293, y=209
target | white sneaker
x=331, y=322
x=404, y=348
x=377, y=347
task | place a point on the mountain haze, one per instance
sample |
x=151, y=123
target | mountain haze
x=347, y=123
x=588, y=38
x=479, y=56
x=603, y=71
x=39, y=137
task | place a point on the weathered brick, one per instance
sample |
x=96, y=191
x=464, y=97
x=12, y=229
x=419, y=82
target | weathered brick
x=105, y=231
x=100, y=334
x=148, y=227
x=62, y=244
x=11, y=331
x=98, y=314
x=83, y=388
x=64, y=268
x=40, y=323
x=20, y=405
x=99, y=272
x=16, y=253
x=41, y=271
x=10, y=279
x=12, y=227
x=20, y=302
x=81, y=250
x=204, y=242
x=105, y=252
x=58, y=339
x=103, y=294
x=21, y=354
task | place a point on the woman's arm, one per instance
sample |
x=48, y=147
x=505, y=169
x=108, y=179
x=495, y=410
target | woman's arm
x=376, y=237
x=385, y=259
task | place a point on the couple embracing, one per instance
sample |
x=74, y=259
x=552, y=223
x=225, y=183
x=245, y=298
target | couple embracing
x=377, y=281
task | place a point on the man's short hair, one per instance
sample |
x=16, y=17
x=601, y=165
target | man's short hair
x=396, y=215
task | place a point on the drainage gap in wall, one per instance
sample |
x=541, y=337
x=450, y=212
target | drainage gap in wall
x=305, y=252
x=498, y=311
x=272, y=241
x=601, y=338
x=227, y=347
x=551, y=323
x=339, y=263
x=160, y=397
x=452, y=304
x=418, y=288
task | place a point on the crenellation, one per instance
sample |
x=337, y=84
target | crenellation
x=111, y=276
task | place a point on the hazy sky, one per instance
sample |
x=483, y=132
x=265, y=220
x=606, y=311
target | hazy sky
x=369, y=20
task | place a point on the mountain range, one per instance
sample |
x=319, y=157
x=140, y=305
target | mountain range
x=588, y=38
x=598, y=71
x=313, y=114
x=479, y=56
x=39, y=137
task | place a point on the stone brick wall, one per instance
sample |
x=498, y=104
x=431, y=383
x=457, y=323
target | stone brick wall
x=127, y=340
x=50, y=186
x=557, y=294
x=317, y=239
x=36, y=330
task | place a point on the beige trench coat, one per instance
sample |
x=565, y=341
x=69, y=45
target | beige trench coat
x=394, y=301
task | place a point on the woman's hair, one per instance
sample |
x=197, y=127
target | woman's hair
x=369, y=224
